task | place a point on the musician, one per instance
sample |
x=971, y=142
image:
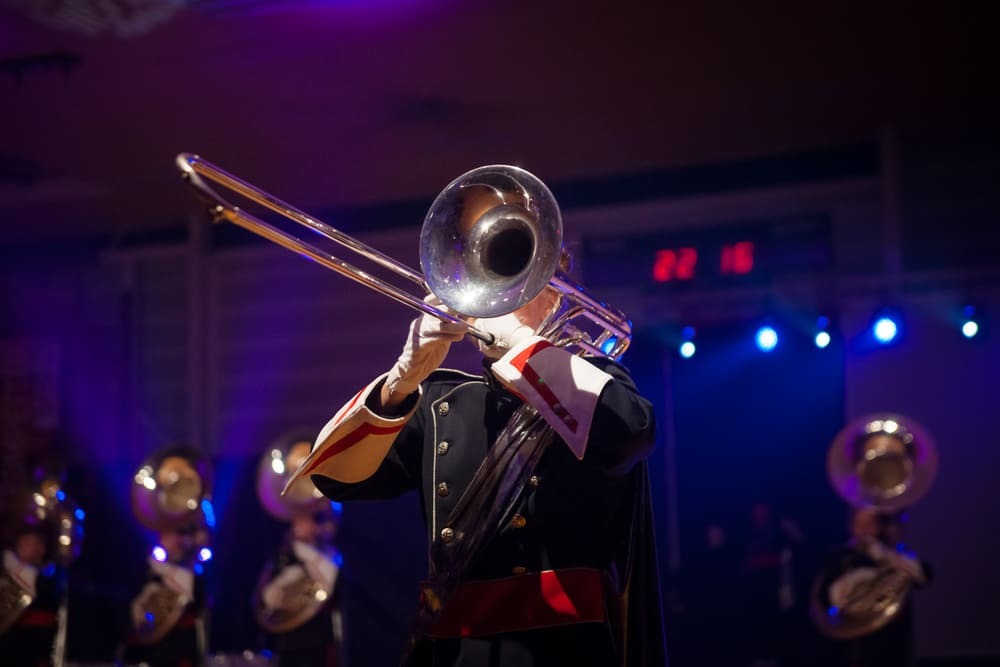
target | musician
x=307, y=554
x=29, y=641
x=175, y=588
x=546, y=588
x=875, y=541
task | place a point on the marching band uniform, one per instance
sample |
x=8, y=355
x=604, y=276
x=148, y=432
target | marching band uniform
x=315, y=643
x=29, y=641
x=181, y=646
x=570, y=577
x=893, y=645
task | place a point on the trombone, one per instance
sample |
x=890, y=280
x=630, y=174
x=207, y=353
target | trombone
x=490, y=243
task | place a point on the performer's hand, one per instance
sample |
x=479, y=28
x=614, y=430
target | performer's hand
x=508, y=330
x=425, y=349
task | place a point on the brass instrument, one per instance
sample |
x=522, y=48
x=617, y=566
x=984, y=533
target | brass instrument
x=48, y=507
x=295, y=595
x=879, y=463
x=168, y=494
x=490, y=243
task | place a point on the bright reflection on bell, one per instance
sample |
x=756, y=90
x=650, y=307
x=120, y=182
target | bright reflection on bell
x=191, y=504
x=321, y=595
x=64, y=540
x=149, y=483
x=278, y=466
x=890, y=426
x=159, y=554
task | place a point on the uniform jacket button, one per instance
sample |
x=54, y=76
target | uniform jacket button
x=442, y=447
x=518, y=570
x=443, y=408
x=443, y=489
x=533, y=481
x=518, y=521
x=447, y=535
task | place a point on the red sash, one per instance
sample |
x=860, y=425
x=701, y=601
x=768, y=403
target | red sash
x=522, y=602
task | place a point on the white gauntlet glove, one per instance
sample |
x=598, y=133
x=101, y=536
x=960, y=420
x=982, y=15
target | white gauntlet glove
x=424, y=351
x=508, y=331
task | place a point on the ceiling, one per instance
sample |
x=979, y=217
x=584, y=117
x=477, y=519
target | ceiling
x=340, y=103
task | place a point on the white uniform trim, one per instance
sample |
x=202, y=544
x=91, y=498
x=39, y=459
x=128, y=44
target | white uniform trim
x=354, y=442
x=563, y=387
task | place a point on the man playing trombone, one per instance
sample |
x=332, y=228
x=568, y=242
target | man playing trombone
x=547, y=585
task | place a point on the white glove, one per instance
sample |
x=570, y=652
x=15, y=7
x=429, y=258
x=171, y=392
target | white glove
x=508, y=331
x=425, y=349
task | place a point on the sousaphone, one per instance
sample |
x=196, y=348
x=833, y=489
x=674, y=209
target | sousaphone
x=881, y=463
x=169, y=492
x=300, y=596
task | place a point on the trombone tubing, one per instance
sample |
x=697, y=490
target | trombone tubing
x=193, y=168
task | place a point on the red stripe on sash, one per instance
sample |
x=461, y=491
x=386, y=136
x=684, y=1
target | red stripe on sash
x=520, y=362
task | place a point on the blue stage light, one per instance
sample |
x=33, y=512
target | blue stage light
x=822, y=339
x=687, y=349
x=609, y=344
x=209, y=512
x=79, y=514
x=970, y=325
x=885, y=329
x=767, y=339
x=205, y=554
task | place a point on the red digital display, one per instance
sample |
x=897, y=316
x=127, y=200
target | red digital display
x=675, y=264
x=736, y=259
x=681, y=264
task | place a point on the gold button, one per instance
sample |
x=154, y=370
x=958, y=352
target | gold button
x=443, y=447
x=533, y=481
x=447, y=535
x=518, y=570
x=443, y=408
x=518, y=521
x=443, y=489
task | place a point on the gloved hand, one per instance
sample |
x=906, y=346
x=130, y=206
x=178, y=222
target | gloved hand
x=508, y=330
x=425, y=349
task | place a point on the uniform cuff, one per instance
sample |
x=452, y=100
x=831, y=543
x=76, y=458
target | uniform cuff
x=353, y=444
x=563, y=387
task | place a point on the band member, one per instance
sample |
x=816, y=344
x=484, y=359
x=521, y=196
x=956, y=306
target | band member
x=170, y=496
x=571, y=535
x=28, y=569
x=874, y=546
x=299, y=600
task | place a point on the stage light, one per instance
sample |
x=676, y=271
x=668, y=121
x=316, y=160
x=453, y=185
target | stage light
x=209, y=511
x=822, y=338
x=885, y=329
x=970, y=327
x=767, y=339
x=609, y=344
x=205, y=554
x=79, y=514
x=159, y=553
x=687, y=347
